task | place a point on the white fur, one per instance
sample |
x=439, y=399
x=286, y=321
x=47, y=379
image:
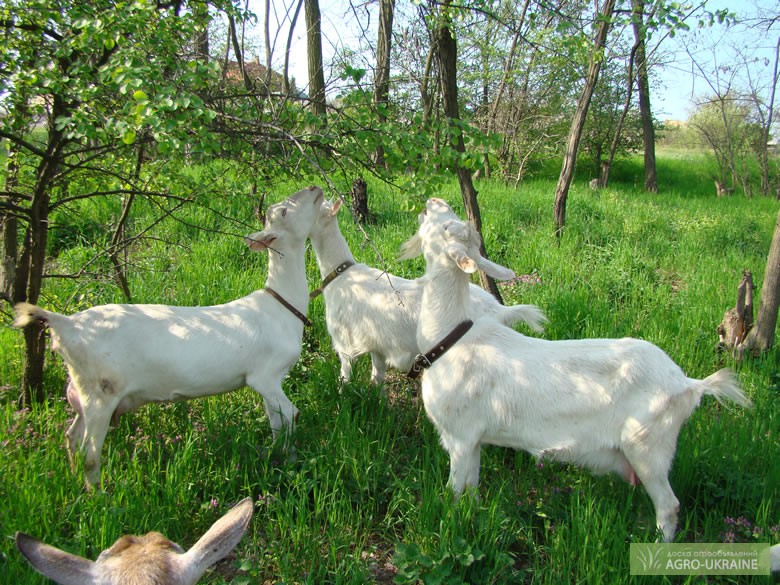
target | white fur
x=147, y=560
x=370, y=311
x=612, y=405
x=121, y=357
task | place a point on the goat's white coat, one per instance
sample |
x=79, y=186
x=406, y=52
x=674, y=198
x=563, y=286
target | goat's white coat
x=121, y=357
x=371, y=311
x=612, y=405
x=148, y=560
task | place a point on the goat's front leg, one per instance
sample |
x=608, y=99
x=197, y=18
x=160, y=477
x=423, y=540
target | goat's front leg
x=378, y=368
x=282, y=414
x=346, y=367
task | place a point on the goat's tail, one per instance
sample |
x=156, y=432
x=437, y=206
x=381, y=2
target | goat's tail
x=27, y=314
x=723, y=385
x=531, y=315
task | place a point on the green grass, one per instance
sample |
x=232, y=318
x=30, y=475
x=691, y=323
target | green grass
x=366, y=496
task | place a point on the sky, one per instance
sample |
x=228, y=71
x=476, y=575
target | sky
x=678, y=82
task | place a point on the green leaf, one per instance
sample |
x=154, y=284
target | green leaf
x=129, y=136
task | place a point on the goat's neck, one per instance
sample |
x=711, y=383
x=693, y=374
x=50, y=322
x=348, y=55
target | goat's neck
x=287, y=275
x=331, y=249
x=444, y=304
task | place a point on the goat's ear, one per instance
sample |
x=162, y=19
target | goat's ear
x=259, y=241
x=219, y=540
x=495, y=270
x=458, y=253
x=488, y=267
x=336, y=205
x=411, y=248
x=56, y=564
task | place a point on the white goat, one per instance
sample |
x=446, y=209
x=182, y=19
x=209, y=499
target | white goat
x=121, y=357
x=612, y=405
x=370, y=311
x=141, y=560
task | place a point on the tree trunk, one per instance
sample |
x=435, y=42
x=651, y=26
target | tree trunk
x=606, y=166
x=314, y=52
x=382, y=76
x=763, y=150
x=29, y=277
x=448, y=68
x=578, y=122
x=648, y=130
x=239, y=53
x=360, y=201
x=9, y=231
x=200, y=13
x=762, y=336
x=426, y=99
x=509, y=64
x=287, y=48
x=119, y=240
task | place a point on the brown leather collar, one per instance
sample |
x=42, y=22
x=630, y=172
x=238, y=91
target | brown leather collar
x=330, y=278
x=287, y=305
x=424, y=361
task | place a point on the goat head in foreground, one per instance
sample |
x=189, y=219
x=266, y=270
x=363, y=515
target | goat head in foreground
x=141, y=560
x=611, y=405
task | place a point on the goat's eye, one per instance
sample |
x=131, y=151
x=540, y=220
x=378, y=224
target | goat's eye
x=284, y=211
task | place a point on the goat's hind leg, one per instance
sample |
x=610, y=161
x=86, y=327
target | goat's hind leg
x=651, y=467
x=97, y=419
x=74, y=436
x=74, y=439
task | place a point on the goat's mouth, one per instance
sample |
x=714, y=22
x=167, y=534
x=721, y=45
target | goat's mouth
x=320, y=193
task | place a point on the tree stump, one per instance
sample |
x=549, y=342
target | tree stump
x=360, y=201
x=722, y=190
x=737, y=322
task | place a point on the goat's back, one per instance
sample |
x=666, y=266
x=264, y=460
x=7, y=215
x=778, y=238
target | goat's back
x=368, y=310
x=161, y=349
x=539, y=395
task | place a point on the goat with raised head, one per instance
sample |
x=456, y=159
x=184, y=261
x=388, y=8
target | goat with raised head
x=141, y=560
x=371, y=311
x=121, y=357
x=612, y=405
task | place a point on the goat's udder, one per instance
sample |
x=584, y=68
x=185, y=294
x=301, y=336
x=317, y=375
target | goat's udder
x=629, y=474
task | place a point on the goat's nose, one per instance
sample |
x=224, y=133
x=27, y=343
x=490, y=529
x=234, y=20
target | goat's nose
x=318, y=193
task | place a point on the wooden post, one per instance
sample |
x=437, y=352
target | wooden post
x=738, y=321
x=360, y=201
